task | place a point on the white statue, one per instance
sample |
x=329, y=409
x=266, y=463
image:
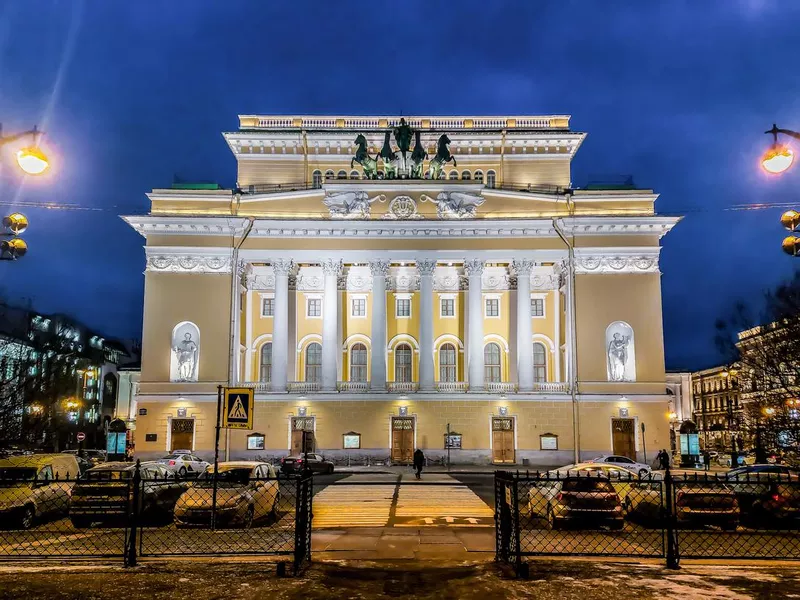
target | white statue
x=457, y=205
x=186, y=353
x=618, y=356
x=350, y=205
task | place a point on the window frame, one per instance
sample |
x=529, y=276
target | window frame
x=447, y=368
x=315, y=298
x=487, y=365
x=539, y=298
x=362, y=368
x=535, y=366
x=316, y=179
x=362, y=298
x=447, y=298
x=262, y=364
x=315, y=368
x=491, y=179
x=404, y=298
x=403, y=347
x=493, y=298
x=264, y=298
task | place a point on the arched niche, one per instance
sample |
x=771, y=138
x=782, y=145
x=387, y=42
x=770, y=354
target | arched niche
x=620, y=352
x=185, y=352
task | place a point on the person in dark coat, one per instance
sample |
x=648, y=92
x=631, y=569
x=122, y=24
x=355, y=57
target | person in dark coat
x=663, y=459
x=419, y=461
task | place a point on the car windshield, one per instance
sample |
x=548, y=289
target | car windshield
x=108, y=475
x=17, y=474
x=174, y=457
x=587, y=484
x=227, y=477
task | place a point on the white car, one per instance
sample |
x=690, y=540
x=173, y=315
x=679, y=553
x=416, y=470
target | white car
x=623, y=461
x=183, y=463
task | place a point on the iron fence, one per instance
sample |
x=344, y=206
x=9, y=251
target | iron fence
x=132, y=512
x=613, y=513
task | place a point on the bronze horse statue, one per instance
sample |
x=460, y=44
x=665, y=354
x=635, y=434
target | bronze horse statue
x=442, y=156
x=362, y=157
x=417, y=157
x=389, y=157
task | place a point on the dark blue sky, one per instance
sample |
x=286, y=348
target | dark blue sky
x=130, y=93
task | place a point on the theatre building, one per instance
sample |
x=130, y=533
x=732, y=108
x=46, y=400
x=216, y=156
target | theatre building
x=377, y=279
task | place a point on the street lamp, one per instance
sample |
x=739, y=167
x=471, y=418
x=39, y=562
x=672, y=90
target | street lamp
x=14, y=247
x=778, y=157
x=30, y=159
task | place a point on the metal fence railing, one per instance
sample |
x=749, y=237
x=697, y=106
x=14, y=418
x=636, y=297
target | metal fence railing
x=665, y=515
x=130, y=514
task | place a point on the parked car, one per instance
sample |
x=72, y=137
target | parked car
x=779, y=508
x=702, y=502
x=623, y=461
x=183, y=463
x=35, y=487
x=105, y=494
x=246, y=492
x=316, y=463
x=592, y=501
x=94, y=456
x=754, y=485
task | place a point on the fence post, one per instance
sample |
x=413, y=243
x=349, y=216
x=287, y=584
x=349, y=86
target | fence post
x=502, y=517
x=133, y=516
x=673, y=552
x=302, y=524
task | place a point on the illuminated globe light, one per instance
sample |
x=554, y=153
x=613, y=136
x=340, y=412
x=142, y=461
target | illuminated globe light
x=32, y=161
x=777, y=159
x=791, y=245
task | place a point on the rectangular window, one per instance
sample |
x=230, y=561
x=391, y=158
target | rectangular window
x=268, y=307
x=492, y=307
x=314, y=307
x=448, y=307
x=537, y=307
x=359, y=307
x=403, y=306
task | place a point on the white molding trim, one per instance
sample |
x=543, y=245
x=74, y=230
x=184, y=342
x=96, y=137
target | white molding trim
x=493, y=337
x=188, y=260
x=617, y=260
x=357, y=338
x=262, y=339
x=307, y=339
x=400, y=338
x=448, y=338
x=540, y=337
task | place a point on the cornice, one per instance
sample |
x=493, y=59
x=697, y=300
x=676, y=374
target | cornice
x=189, y=260
x=617, y=260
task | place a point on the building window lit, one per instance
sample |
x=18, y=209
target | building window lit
x=402, y=363
x=358, y=363
x=491, y=361
x=447, y=363
x=265, y=364
x=539, y=363
x=314, y=362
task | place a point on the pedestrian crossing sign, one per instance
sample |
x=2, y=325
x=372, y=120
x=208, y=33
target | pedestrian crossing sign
x=237, y=408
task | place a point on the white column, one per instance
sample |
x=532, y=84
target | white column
x=426, y=268
x=237, y=274
x=330, y=323
x=557, y=316
x=379, y=269
x=248, y=333
x=280, y=325
x=522, y=268
x=474, y=269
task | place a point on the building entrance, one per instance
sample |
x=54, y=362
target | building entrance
x=402, y=439
x=181, y=434
x=302, y=435
x=624, y=437
x=503, y=440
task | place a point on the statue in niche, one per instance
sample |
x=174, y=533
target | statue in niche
x=362, y=157
x=442, y=156
x=618, y=356
x=186, y=353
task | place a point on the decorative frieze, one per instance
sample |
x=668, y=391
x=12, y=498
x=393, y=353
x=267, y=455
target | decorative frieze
x=617, y=260
x=473, y=266
x=188, y=263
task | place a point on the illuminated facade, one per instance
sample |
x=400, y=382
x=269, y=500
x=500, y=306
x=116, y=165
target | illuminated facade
x=441, y=292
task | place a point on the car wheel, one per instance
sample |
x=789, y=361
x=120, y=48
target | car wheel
x=182, y=472
x=643, y=473
x=80, y=523
x=26, y=517
x=248, y=518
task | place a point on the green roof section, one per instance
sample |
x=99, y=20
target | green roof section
x=196, y=186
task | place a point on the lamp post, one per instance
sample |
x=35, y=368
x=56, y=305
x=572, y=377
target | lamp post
x=729, y=375
x=777, y=160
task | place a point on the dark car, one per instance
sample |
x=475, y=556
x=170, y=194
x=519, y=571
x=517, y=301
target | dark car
x=590, y=501
x=699, y=503
x=104, y=494
x=315, y=463
x=756, y=489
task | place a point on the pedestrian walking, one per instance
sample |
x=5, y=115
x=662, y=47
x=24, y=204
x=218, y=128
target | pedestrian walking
x=419, y=460
x=707, y=459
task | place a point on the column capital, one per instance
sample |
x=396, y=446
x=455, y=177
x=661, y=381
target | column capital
x=473, y=266
x=426, y=267
x=283, y=266
x=332, y=267
x=379, y=268
x=522, y=267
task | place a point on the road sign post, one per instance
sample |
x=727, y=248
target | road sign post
x=80, y=436
x=237, y=408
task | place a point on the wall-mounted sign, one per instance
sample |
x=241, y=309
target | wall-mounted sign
x=142, y=412
x=503, y=411
x=623, y=413
x=255, y=441
x=452, y=441
x=351, y=440
x=181, y=413
x=150, y=437
x=403, y=411
x=301, y=411
x=548, y=441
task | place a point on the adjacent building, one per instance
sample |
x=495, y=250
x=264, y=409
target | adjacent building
x=717, y=407
x=379, y=281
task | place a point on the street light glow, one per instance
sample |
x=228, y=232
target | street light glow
x=32, y=160
x=777, y=159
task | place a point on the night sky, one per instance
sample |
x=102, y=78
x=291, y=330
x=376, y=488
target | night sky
x=676, y=94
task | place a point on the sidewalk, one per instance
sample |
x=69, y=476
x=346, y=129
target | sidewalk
x=455, y=469
x=240, y=578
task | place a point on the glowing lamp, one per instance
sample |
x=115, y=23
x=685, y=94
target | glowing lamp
x=777, y=159
x=32, y=161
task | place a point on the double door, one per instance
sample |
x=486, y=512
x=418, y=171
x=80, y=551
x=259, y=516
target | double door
x=182, y=435
x=623, y=432
x=503, y=440
x=302, y=435
x=402, y=440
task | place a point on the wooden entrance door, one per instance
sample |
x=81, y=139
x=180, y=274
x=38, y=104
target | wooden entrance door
x=503, y=440
x=302, y=429
x=624, y=437
x=402, y=439
x=182, y=433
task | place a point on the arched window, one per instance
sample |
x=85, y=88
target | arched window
x=479, y=176
x=314, y=362
x=466, y=175
x=354, y=175
x=453, y=175
x=265, y=365
x=316, y=179
x=491, y=362
x=539, y=362
x=491, y=178
x=447, y=363
x=402, y=364
x=341, y=175
x=441, y=174
x=328, y=174
x=358, y=362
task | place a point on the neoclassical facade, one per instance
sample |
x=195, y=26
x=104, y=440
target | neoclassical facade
x=376, y=280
